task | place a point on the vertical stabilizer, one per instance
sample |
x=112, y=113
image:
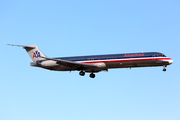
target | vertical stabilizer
x=33, y=52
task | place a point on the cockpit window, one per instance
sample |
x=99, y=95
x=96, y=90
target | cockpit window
x=161, y=55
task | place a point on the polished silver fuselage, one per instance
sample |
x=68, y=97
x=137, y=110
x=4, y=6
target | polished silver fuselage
x=105, y=62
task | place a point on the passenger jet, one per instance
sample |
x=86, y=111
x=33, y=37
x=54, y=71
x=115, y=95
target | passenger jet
x=96, y=63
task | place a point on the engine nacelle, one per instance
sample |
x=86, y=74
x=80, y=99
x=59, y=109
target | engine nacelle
x=100, y=65
x=49, y=63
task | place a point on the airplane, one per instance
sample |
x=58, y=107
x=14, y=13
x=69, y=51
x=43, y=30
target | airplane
x=96, y=63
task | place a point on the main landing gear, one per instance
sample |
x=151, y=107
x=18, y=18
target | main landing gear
x=92, y=75
x=164, y=69
x=82, y=73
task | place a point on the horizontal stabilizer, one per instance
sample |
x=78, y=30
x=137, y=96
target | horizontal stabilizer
x=22, y=46
x=33, y=52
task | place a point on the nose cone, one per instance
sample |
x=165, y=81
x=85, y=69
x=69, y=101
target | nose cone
x=170, y=61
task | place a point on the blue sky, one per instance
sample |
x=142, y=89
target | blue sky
x=91, y=27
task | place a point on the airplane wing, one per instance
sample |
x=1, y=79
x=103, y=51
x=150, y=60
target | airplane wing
x=74, y=65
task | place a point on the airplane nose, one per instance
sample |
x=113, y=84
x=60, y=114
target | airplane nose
x=170, y=61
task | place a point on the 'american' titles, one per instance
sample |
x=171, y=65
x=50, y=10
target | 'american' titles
x=129, y=55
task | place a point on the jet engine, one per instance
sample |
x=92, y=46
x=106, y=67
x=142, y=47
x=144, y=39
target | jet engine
x=49, y=63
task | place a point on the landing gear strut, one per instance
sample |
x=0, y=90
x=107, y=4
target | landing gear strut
x=81, y=73
x=92, y=75
x=164, y=69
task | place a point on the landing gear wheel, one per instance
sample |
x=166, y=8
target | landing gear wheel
x=92, y=75
x=164, y=69
x=81, y=73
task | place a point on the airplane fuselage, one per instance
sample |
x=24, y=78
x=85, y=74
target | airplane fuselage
x=96, y=63
x=128, y=60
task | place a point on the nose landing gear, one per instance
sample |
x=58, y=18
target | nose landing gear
x=164, y=69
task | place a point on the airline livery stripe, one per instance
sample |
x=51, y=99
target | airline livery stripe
x=126, y=60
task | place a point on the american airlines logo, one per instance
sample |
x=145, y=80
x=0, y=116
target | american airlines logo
x=128, y=55
x=36, y=54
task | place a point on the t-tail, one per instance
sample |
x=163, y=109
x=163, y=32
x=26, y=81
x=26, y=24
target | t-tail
x=33, y=51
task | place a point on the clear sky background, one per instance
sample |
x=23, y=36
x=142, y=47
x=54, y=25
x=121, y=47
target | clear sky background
x=89, y=27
